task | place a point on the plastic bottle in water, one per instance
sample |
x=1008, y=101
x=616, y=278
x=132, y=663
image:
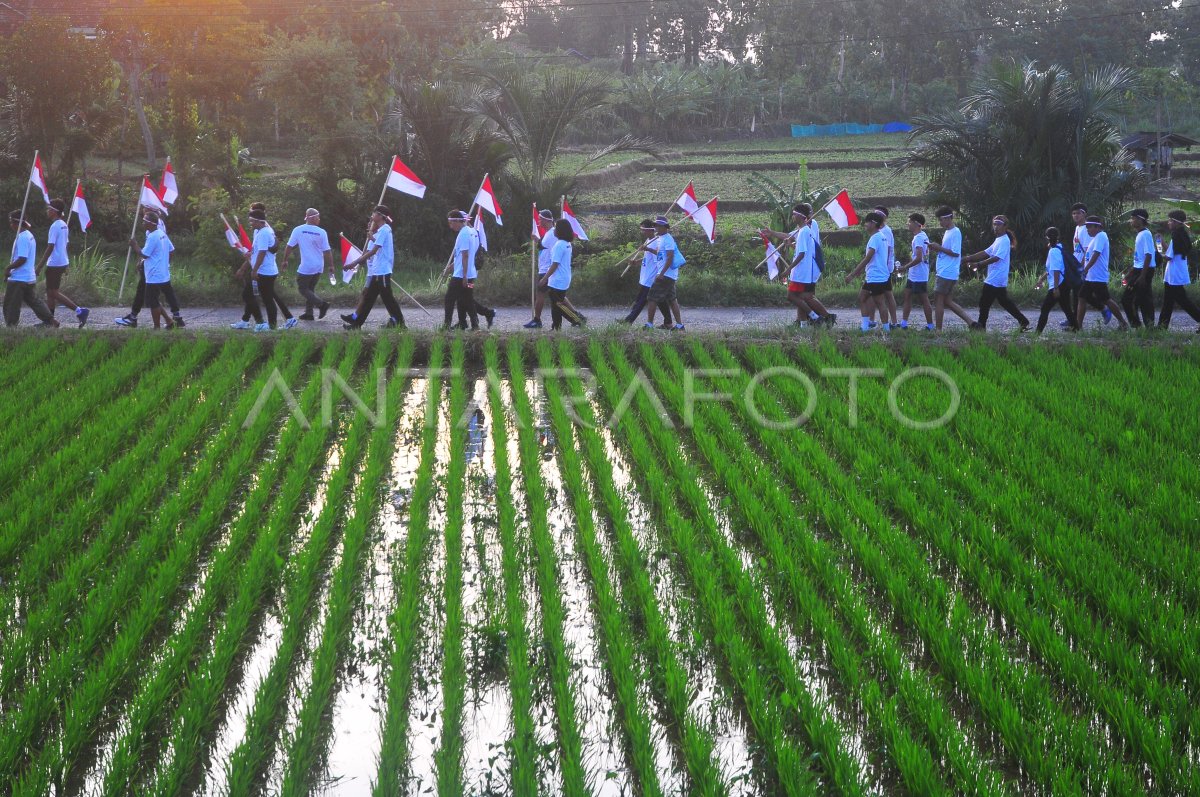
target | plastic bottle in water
x=254, y=286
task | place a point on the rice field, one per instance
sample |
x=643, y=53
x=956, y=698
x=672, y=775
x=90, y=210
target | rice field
x=399, y=565
x=664, y=186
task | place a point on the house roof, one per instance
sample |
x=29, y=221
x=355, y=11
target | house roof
x=1144, y=139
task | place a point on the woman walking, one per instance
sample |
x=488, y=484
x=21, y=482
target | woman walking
x=1055, y=271
x=998, y=260
x=558, y=277
x=1176, y=277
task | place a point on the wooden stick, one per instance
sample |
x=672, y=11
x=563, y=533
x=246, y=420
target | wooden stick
x=25, y=202
x=137, y=211
x=634, y=252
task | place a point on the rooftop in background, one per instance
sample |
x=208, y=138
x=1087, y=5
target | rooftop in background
x=1145, y=140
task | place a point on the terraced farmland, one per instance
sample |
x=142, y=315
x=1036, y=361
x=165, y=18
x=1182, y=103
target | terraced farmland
x=223, y=574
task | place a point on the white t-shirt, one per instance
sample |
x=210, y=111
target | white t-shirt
x=1082, y=241
x=1098, y=245
x=666, y=244
x=947, y=266
x=890, y=237
x=544, y=259
x=1143, y=245
x=1054, y=262
x=382, y=262
x=264, y=239
x=157, y=252
x=58, y=237
x=1177, y=267
x=649, y=267
x=24, y=246
x=467, y=242
x=806, y=269
x=816, y=234
x=313, y=243
x=997, y=273
x=560, y=280
x=920, y=246
x=878, y=267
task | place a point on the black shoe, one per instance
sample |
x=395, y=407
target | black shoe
x=350, y=319
x=582, y=320
x=306, y=317
x=350, y=327
x=177, y=319
x=976, y=325
x=667, y=325
x=322, y=310
x=1025, y=327
x=491, y=318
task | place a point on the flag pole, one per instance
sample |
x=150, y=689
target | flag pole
x=25, y=201
x=533, y=251
x=450, y=260
x=137, y=211
x=71, y=208
x=383, y=193
x=629, y=257
x=791, y=236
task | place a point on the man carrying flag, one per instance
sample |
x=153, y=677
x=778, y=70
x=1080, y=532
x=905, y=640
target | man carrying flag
x=648, y=272
x=155, y=266
x=662, y=291
x=55, y=262
x=380, y=257
x=460, y=292
x=543, y=238
x=20, y=277
x=150, y=201
x=315, y=259
x=802, y=280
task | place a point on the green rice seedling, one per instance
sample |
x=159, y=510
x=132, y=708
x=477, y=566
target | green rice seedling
x=404, y=619
x=546, y=564
x=37, y=370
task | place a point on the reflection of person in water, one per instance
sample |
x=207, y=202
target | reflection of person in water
x=475, y=435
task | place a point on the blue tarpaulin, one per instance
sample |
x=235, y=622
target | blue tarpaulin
x=848, y=129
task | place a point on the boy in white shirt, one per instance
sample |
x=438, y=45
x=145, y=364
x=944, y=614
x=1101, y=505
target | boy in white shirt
x=648, y=270
x=1138, y=299
x=21, y=279
x=917, y=269
x=877, y=281
x=1095, y=275
x=1082, y=240
x=155, y=266
x=947, y=266
x=55, y=261
x=380, y=257
x=315, y=259
x=803, y=276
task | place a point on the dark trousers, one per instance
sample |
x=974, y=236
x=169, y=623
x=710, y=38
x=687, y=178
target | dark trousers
x=1139, y=296
x=252, y=309
x=639, y=304
x=1064, y=303
x=139, y=297
x=18, y=293
x=307, y=284
x=274, y=305
x=461, y=294
x=990, y=294
x=1176, y=295
x=559, y=309
x=379, y=287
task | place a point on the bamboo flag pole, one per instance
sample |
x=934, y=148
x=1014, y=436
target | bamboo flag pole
x=641, y=248
x=137, y=211
x=533, y=251
x=383, y=193
x=791, y=236
x=71, y=207
x=450, y=260
x=25, y=201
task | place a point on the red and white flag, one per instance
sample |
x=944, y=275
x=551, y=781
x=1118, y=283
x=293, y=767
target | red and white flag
x=576, y=227
x=150, y=198
x=350, y=252
x=687, y=200
x=706, y=217
x=540, y=225
x=480, y=233
x=80, y=209
x=168, y=189
x=232, y=238
x=772, y=258
x=243, y=239
x=38, y=177
x=485, y=198
x=841, y=210
x=404, y=180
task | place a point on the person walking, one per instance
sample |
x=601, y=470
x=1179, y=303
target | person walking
x=663, y=291
x=155, y=266
x=380, y=257
x=646, y=274
x=558, y=276
x=315, y=259
x=56, y=261
x=997, y=258
x=1055, y=277
x=802, y=279
x=1082, y=241
x=917, y=268
x=1095, y=275
x=21, y=279
x=947, y=267
x=876, y=273
x=265, y=269
x=545, y=244
x=167, y=291
x=1138, y=297
x=1176, y=277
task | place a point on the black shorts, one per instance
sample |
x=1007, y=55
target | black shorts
x=153, y=289
x=1095, y=293
x=877, y=288
x=917, y=287
x=54, y=277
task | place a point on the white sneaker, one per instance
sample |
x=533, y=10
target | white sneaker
x=263, y=327
x=242, y=325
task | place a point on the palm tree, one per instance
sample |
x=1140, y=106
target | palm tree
x=1029, y=142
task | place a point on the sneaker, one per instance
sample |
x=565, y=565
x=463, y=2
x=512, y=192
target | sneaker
x=534, y=324
x=350, y=319
x=582, y=321
x=647, y=325
x=977, y=326
x=930, y=327
x=392, y=323
x=178, y=321
x=306, y=317
x=322, y=310
x=491, y=318
x=126, y=321
x=1025, y=327
x=264, y=327
x=1064, y=324
x=831, y=319
x=291, y=322
x=667, y=325
x=1108, y=316
x=678, y=328
x=82, y=315
x=241, y=325
x=47, y=324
